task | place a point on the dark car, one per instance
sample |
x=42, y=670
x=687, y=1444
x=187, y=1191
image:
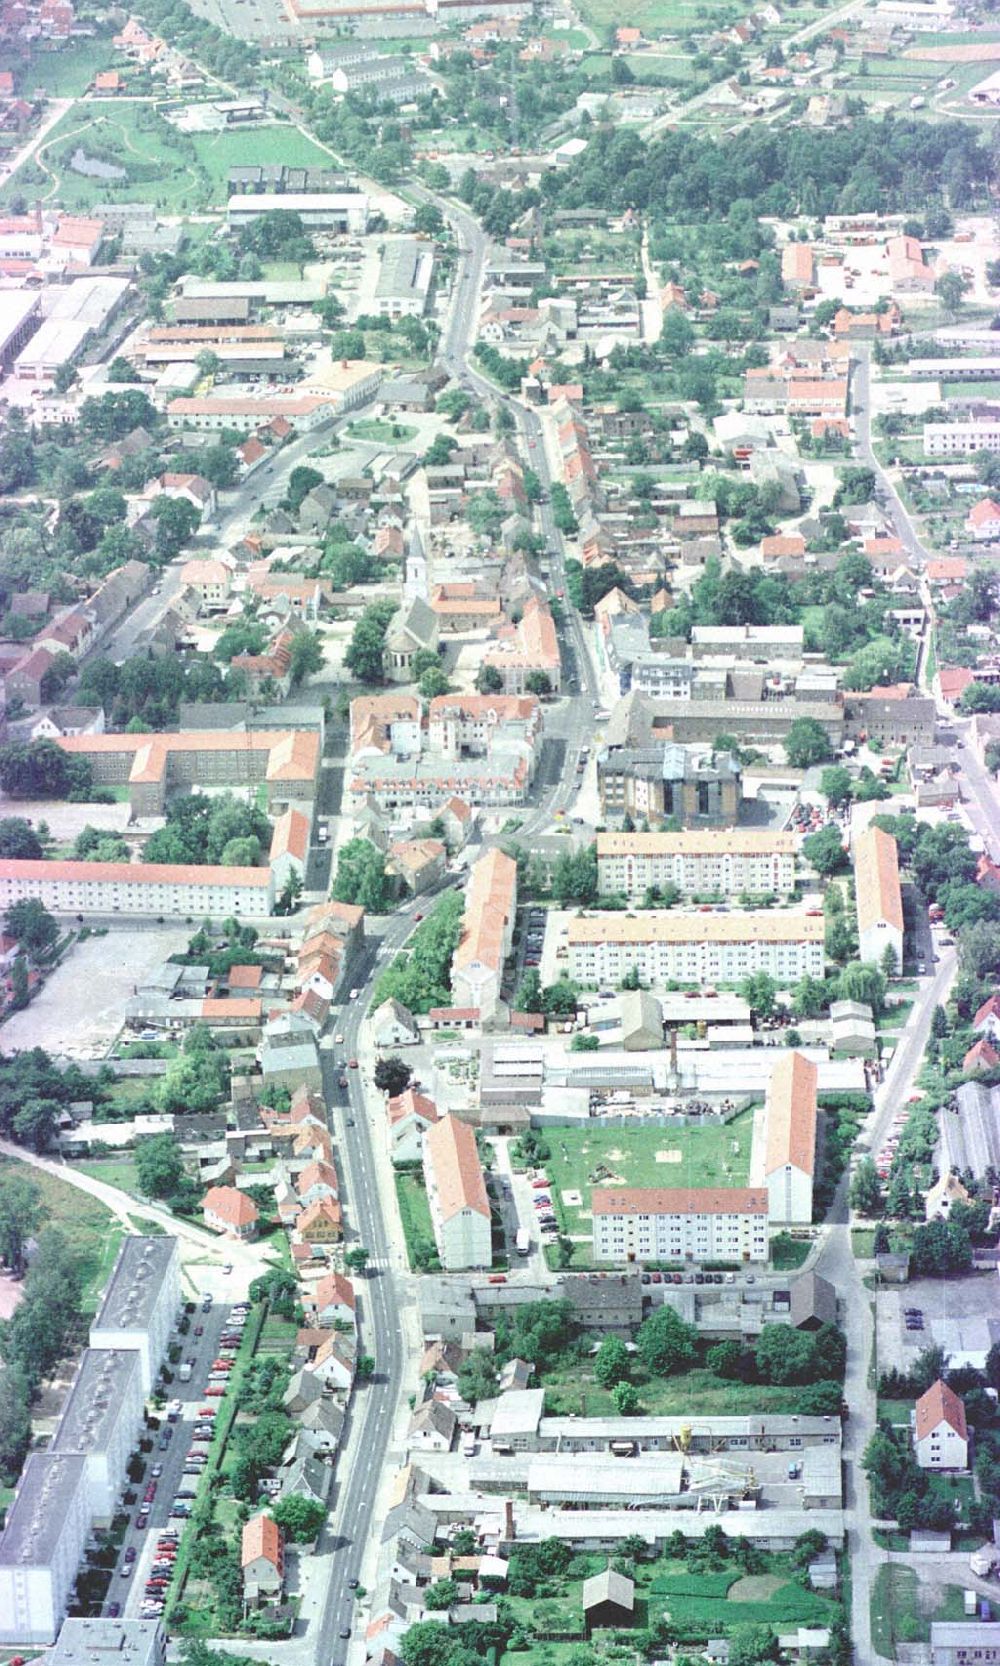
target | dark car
x=113, y=1610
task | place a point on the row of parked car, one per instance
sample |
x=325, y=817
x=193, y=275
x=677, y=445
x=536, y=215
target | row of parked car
x=195, y=1461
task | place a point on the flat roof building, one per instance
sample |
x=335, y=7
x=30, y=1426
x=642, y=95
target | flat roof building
x=101, y=1420
x=109, y=1643
x=343, y=211
x=140, y=1302
x=404, y=278
x=41, y=1546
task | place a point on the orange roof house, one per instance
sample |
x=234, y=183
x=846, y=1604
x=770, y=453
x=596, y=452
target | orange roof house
x=226, y=1209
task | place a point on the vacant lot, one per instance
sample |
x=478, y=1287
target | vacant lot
x=63, y=71
x=642, y=1156
x=902, y=1609
x=79, y=1012
x=89, y=1227
x=571, y=1389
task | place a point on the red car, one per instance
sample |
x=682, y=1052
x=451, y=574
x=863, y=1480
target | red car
x=207, y=1411
x=418, y=917
x=218, y=1392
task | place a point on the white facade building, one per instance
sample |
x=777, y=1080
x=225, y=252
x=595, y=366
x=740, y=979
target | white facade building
x=41, y=1546
x=456, y=1192
x=695, y=948
x=344, y=211
x=879, y=899
x=680, y=1224
x=141, y=1302
x=940, y=1433
x=101, y=1420
x=727, y=861
x=138, y=888
x=960, y=439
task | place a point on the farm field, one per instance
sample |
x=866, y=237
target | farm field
x=642, y=1156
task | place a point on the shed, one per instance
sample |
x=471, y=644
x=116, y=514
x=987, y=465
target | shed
x=608, y=1600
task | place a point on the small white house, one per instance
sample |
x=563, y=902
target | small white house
x=394, y=1025
x=940, y=1434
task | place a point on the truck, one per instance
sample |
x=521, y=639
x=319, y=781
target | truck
x=522, y=1243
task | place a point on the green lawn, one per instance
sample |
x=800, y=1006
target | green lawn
x=63, y=71
x=178, y=171
x=373, y=428
x=418, y=1229
x=788, y=1253
x=971, y=390
x=89, y=1226
x=114, y=1171
x=581, y=1158
x=700, y=1605
x=571, y=1389
x=901, y=1612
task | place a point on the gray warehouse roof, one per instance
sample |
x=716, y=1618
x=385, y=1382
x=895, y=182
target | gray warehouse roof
x=135, y=1284
x=96, y=1642
x=970, y=1136
x=49, y=1482
x=95, y=1399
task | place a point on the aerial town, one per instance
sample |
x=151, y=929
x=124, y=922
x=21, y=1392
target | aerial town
x=499, y=833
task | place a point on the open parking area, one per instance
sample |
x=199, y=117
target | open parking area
x=954, y=1315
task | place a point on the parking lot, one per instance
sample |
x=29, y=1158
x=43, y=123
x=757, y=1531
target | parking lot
x=954, y=1315
x=141, y=1577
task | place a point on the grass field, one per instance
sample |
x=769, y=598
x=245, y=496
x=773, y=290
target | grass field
x=191, y=174
x=656, y=17
x=114, y=1171
x=700, y=1605
x=90, y=1228
x=586, y=1157
x=375, y=429
x=571, y=1389
x=418, y=1230
x=64, y=71
x=902, y=1613
x=971, y=390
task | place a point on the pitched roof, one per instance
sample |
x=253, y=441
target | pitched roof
x=982, y=1055
x=982, y=513
x=791, y=1114
x=411, y=1103
x=261, y=1537
x=230, y=1205
x=940, y=1405
x=876, y=880
x=451, y=1152
x=648, y=1200
x=333, y=1288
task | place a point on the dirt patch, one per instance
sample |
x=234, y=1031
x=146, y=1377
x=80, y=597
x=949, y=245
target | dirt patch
x=755, y=1587
x=670, y=1156
x=11, y=1291
x=981, y=53
x=572, y=1200
x=615, y=1156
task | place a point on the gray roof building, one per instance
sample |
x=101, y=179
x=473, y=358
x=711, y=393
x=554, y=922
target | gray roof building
x=109, y=1643
x=41, y=1546
x=970, y=1134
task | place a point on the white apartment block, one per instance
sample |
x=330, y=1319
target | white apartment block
x=694, y=947
x=148, y=889
x=456, y=1193
x=960, y=439
x=727, y=1223
x=727, y=861
x=141, y=1302
x=41, y=1546
x=100, y=1422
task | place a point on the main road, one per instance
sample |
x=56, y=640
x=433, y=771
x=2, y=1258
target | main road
x=384, y=1289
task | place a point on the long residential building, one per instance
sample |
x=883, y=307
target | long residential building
x=148, y=889
x=783, y=1157
x=101, y=1420
x=141, y=1302
x=721, y=1223
x=694, y=947
x=456, y=1192
x=726, y=861
x=287, y=761
x=487, y=933
x=961, y=439
x=879, y=897
x=41, y=1546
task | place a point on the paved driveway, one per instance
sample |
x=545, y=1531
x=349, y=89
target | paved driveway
x=79, y=1011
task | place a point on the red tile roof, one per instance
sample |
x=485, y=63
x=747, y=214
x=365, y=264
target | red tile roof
x=940, y=1405
x=230, y=1205
x=715, y=1200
